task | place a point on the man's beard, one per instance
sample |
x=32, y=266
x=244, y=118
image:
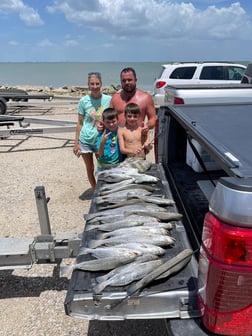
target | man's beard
x=129, y=89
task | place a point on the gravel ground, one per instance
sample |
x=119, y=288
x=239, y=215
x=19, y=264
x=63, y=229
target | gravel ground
x=32, y=301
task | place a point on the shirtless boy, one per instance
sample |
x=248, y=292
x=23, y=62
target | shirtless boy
x=132, y=141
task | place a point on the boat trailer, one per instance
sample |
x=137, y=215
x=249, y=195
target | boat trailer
x=44, y=248
x=56, y=126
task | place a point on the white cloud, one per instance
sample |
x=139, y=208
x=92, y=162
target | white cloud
x=146, y=19
x=26, y=13
x=71, y=43
x=45, y=43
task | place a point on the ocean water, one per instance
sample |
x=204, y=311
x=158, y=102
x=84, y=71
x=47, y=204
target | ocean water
x=58, y=74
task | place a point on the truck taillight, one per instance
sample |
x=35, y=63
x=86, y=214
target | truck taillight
x=225, y=278
x=178, y=101
x=160, y=84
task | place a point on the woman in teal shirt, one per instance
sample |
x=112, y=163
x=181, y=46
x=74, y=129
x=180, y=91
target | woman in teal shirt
x=90, y=110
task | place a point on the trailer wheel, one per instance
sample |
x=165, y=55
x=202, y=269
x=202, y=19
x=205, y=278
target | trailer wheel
x=2, y=106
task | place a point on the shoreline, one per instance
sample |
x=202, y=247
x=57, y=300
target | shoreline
x=75, y=91
x=72, y=91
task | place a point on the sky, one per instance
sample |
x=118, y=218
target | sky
x=125, y=30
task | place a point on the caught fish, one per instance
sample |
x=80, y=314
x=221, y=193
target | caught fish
x=125, y=278
x=144, y=178
x=128, y=267
x=133, y=230
x=145, y=207
x=167, y=226
x=177, y=267
x=144, y=248
x=117, y=185
x=173, y=265
x=152, y=199
x=161, y=215
x=105, y=219
x=148, y=238
x=129, y=221
x=120, y=196
x=141, y=164
x=122, y=203
x=115, y=175
x=106, y=263
x=107, y=190
x=108, y=251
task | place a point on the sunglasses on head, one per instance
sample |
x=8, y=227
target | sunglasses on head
x=98, y=74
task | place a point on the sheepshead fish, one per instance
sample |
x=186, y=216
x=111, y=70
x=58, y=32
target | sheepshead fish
x=140, y=164
x=106, y=263
x=148, y=238
x=129, y=221
x=125, y=278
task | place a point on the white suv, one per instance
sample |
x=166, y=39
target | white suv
x=196, y=73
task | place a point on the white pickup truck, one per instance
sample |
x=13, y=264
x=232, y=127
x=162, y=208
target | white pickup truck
x=208, y=94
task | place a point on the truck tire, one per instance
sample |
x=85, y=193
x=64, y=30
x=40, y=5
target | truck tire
x=2, y=106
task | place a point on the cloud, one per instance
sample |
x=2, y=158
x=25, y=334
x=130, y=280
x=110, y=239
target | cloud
x=45, y=43
x=157, y=19
x=26, y=13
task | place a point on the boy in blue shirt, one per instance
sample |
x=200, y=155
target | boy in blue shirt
x=109, y=153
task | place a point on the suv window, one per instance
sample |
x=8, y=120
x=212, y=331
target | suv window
x=235, y=73
x=183, y=73
x=213, y=73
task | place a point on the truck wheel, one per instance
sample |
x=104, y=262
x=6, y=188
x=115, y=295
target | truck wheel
x=2, y=106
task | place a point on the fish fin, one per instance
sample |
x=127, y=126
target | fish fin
x=100, y=287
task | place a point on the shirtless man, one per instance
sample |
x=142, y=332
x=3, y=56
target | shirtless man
x=130, y=94
x=132, y=141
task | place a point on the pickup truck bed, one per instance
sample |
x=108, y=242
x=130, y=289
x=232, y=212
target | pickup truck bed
x=173, y=297
x=230, y=146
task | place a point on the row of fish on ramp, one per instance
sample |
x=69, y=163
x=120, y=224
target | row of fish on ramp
x=133, y=230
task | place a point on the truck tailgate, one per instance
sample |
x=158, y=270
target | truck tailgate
x=170, y=297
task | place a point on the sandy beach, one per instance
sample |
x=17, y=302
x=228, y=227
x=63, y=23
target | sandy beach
x=32, y=301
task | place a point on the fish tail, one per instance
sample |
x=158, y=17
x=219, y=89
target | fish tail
x=94, y=243
x=65, y=270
